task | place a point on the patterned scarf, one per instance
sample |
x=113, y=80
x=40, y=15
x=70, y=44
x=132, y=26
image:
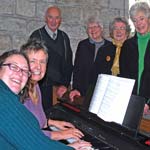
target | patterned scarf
x=115, y=67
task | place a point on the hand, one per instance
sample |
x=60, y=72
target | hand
x=62, y=125
x=146, y=109
x=73, y=94
x=60, y=91
x=81, y=145
x=65, y=134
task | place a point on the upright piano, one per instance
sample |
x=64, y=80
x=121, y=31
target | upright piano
x=102, y=135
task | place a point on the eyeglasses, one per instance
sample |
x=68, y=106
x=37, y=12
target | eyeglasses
x=93, y=27
x=119, y=28
x=138, y=19
x=16, y=68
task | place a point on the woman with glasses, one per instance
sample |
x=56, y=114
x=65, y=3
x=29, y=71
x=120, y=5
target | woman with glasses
x=94, y=55
x=38, y=58
x=19, y=129
x=135, y=55
x=119, y=31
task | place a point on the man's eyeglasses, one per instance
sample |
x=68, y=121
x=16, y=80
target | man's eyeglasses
x=16, y=68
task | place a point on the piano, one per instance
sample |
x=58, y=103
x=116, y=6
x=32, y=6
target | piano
x=102, y=135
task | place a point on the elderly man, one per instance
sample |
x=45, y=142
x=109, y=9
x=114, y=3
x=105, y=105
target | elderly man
x=59, y=68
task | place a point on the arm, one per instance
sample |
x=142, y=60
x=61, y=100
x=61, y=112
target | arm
x=63, y=125
x=123, y=62
x=67, y=66
x=77, y=70
x=60, y=91
x=20, y=128
x=65, y=130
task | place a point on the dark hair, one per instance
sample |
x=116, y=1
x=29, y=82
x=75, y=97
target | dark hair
x=9, y=53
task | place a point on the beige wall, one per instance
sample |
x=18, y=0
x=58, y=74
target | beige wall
x=18, y=18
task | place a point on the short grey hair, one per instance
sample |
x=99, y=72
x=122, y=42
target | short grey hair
x=94, y=19
x=119, y=19
x=137, y=7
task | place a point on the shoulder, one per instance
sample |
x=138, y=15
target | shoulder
x=84, y=42
x=131, y=40
x=6, y=91
x=63, y=33
x=109, y=45
x=107, y=42
x=37, y=31
x=130, y=44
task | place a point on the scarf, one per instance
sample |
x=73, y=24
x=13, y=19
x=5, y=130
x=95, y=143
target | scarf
x=115, y=67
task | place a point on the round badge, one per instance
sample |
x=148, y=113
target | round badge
x=108, y=58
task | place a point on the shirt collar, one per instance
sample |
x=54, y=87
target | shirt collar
x=50, y=32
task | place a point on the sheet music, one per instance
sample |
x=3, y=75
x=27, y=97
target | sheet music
x=98, y=94
x=111, y=97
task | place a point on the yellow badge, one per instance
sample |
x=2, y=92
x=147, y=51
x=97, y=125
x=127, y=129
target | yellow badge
x=108, y=58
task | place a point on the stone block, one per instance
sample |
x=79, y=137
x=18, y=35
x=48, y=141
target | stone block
x=18, y=40
x=5, y=42
x=33, y=25
x=7, y=6
x=13, y=24
x=25, y=8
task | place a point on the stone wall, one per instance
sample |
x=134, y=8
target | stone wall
x=18, y=18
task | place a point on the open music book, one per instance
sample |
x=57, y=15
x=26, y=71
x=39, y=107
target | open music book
x=111, y=97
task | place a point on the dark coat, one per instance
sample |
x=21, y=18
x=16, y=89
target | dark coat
x=129, y=66
x=86, y=69
x=59, y=68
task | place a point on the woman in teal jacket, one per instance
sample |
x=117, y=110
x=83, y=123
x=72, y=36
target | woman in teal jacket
x=19, y=129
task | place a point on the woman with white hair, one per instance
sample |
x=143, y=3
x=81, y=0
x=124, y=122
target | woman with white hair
x=119, y=31
x=94, y=55
x=135, y=55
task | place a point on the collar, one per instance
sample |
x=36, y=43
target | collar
x=4, y=85
x=50, y=32
x=94, y=42
x=145, y=36
x=118, y=44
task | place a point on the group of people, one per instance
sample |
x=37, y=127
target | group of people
x=23, y=119
x=28, y=76
x=125, y=56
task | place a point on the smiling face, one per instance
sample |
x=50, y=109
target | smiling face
x=38, y=62
x=15, y=80
x=94, y=31
x=53, y=18
x=119, y=31
x=141, y=22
